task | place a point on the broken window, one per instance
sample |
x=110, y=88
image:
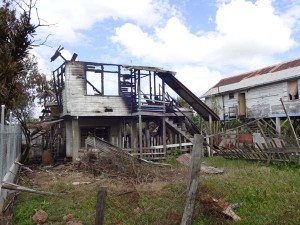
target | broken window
x=102, y=80
x=293, y=89
x=231, y=95
x=94, y=83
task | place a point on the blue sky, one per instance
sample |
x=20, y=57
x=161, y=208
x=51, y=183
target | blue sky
x=202, y=40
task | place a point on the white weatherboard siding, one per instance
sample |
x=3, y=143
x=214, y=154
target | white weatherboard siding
x=217, y=102
x=77, y=103
x=263, y=101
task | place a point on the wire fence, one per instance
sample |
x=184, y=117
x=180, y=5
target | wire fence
x=10, y=150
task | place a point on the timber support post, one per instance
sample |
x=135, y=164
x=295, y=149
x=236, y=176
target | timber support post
x=75, y=139
x=100, y=206
x=278, y=126
x=193, y=180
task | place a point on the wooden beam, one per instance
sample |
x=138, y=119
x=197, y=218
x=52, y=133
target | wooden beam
x=15, y=187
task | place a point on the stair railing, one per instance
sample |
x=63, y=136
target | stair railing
x=175, y=104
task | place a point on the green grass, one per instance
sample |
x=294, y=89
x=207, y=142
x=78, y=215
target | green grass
x=268, y=195
x=119, y=209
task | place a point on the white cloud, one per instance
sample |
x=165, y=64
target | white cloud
x=245, y=32
x=173, y=43
x=253, y=27
x=71, y=17
x=292, y=18
x=247, y=35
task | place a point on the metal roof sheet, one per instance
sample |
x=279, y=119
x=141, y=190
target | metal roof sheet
x=263, y=76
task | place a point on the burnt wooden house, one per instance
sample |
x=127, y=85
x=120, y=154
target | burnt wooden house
x=128, y=106
x=271, y=93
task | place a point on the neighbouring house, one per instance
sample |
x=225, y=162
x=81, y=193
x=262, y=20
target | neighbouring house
x=258, y=94
x=128, y=106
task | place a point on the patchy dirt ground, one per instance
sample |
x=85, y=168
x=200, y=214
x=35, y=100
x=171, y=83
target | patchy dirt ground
x=136, y=194
x=131, y=197
x=72, y=175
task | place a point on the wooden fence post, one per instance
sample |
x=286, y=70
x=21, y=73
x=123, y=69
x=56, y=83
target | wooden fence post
x=100, y=206
x=193, y=180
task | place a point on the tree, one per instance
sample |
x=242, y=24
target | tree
x=20, y=80
x=33, y=83
x=16, y=32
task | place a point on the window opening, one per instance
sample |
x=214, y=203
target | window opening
x=94, y=83
x=293, y=89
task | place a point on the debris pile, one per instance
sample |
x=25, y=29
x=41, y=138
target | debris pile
x=121, y=166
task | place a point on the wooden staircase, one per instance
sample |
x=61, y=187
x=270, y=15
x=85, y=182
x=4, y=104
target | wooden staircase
x=177, y=126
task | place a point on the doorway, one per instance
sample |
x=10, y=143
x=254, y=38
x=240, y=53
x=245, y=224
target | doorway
x=242, y=104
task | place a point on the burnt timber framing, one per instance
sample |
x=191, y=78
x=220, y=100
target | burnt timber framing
x=129, y=106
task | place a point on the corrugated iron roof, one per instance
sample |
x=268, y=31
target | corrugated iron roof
x=282, y=71
x=265, y=70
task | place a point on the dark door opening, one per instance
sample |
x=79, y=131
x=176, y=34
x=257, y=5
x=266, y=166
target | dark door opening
x=242, y=104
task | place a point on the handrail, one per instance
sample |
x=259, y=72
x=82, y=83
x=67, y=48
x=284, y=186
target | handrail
x=192, y=124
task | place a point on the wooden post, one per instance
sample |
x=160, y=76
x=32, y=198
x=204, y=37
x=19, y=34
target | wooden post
x=147, y=134
x=102, y=80
x=278, y=126
x=164, y=119
x=133, y=131
x=210, y=123
x=150, y=83
x=75, y=139
x=193, y=180
x=100, y=206
x=297, y=140
x=154, y=84
x=140, y=116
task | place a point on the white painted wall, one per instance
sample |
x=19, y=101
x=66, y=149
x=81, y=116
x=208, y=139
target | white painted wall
x=261, y=101
x=77, y=103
